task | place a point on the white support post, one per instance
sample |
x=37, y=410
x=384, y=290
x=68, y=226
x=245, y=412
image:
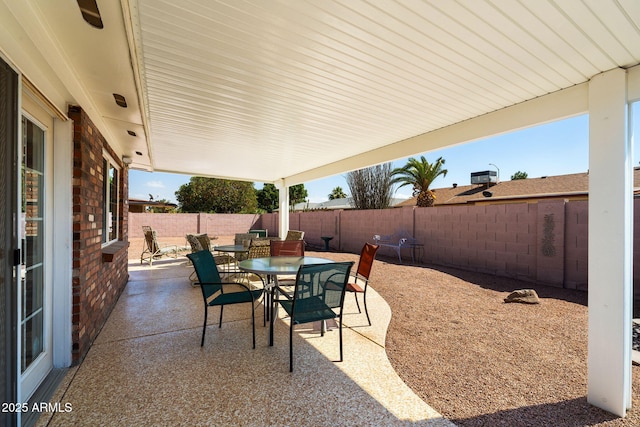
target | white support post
x=62, y=243
x=283, y=206
x=610, y=245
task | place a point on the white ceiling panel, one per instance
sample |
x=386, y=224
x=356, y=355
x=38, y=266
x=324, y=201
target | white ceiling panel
x=270, y=89
x=295, y=85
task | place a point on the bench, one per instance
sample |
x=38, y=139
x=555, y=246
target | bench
x=398, y=242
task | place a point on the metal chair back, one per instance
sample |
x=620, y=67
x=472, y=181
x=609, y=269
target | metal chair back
x=287, y=248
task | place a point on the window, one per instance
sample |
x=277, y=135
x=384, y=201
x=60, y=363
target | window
x=110, y=185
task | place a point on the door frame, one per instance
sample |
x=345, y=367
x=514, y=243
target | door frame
x=41, y=366
x=59, y=159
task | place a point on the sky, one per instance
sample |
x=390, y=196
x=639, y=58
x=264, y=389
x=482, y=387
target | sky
x=556, y=148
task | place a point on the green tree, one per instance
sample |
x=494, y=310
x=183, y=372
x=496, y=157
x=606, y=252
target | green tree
x=297, y=194
x=269, y=195
x=371, y=188
x=217, y=196
x=519, y=175
x=420, y=174
x=337, y=193
x=267, y=198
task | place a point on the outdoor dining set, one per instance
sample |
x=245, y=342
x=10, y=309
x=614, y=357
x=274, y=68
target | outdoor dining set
x=308, y=288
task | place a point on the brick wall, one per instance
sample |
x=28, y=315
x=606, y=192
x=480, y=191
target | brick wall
x=96, y=284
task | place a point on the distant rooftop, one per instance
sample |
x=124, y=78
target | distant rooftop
x=344, y=203
x=141, y=205
x=572, y=186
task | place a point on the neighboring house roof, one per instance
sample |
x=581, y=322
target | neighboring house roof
x=575, y=186
x=344, y=203
x=140, y=205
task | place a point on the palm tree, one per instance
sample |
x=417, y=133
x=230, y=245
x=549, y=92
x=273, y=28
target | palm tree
x=420, y=174
x=337, y=193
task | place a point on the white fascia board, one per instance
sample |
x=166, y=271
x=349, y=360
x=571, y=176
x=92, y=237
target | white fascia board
x=558, y=105
x=633, y=84
x=131, y=22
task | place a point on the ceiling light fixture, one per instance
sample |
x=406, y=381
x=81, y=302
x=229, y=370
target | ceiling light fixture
x=90, y=13
x=120, y=100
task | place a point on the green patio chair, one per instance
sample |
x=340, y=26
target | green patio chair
x=318, y=294
x=215, y=292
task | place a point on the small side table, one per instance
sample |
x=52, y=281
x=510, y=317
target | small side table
x=417, y=248
x=326, y=242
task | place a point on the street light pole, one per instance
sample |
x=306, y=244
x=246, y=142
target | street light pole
x=491, y=164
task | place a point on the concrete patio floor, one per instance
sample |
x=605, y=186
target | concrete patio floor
x=147, y=367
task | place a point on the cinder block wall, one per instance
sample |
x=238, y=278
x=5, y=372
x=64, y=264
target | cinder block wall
x=544, y=242
x=496, y=239
x=179, y=225
x=576, y=244
x=96, y=284
x=318, y=224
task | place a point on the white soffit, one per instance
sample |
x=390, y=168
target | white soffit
x=264, y=89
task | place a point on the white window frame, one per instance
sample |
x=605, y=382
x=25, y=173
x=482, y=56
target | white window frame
x=106, y=202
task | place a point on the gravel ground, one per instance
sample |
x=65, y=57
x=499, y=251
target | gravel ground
x=481, y=362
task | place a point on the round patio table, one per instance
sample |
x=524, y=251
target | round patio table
x=228, y=249
x=277, y=266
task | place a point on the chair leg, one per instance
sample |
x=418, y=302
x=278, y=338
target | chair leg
x=366, y=310
x=264, y=302
x=291, y=347
x=264, y=309
x=355, y=295
x=341, y=338
x=271, y=317
x=220, y=324
x=253, y=324
x=193, y=278
x=204, y=326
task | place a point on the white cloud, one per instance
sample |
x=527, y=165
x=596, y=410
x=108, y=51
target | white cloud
x=155, y=184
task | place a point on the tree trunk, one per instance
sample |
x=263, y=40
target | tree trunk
x=425, y=199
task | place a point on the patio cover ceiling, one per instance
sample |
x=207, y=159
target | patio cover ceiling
x=267, y=90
